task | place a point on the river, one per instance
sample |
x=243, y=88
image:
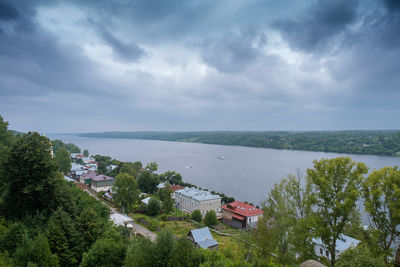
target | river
x=245, y=173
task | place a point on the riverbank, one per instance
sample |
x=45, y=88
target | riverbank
x=385, y=143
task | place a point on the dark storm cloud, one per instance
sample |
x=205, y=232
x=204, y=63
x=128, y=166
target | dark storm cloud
x=320, y=23
x=123, y=51
x=232, y=52
x=8, y=12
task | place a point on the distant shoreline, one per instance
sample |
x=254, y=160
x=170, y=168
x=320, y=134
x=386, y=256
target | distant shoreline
x=380, y=143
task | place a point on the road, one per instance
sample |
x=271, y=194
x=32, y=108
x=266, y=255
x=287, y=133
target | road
x=122, y=219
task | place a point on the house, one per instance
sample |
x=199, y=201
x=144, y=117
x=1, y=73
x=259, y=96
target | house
x=146, y=200
x=175, y=188
x=77, y=170
x=343, y=243
x=202, y=238
x=190, y=199
x=240, y=215
x=98, y=182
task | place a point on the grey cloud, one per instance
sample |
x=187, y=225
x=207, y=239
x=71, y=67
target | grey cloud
x=8, y=11
x=232, y=52
x=320, y=23
x=124, y=51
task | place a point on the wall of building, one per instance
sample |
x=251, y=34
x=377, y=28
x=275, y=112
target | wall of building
x=189, y=204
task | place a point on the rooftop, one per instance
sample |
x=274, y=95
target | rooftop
x=94, y=176
x=344, y=242
x=197, y=194
x=203, y=237
x=242, y=208
x=176, y=187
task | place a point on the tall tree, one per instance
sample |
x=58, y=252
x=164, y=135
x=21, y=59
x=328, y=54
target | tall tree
x=125, y=192
x=6, y=136
x=86, y=153
x=171, y=177
x=166, y=198
x=152, y=166
x=147, y=182
x=30, y=176
x=381, y=192
x=64, y=160
x=165, y=246
x=335, y=185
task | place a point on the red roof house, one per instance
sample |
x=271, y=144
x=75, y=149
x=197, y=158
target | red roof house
x=240, y=215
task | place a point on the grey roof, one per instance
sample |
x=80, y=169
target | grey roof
x=344, y=242
x=69, y=179
x=197, y=194
x=120, y=219
x=203, y=237
x=97, y=177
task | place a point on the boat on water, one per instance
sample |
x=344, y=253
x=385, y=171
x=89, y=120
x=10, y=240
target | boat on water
x=221, y=157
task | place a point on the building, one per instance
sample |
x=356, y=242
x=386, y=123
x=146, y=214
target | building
x=175, y=188
x=343, y=243
x=77, y=170
x=190, y=199
x=202, y=238
x=98, y=182
x=240, y=215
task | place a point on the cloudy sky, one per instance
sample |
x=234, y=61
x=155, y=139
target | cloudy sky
x=99, y=65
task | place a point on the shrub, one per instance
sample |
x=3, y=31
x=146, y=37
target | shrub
x=154, y=207
x=196, y=216
x=210, y=218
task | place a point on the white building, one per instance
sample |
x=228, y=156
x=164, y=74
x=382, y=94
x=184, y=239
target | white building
x=345, y=242
x=77, y=169
x=190, y=199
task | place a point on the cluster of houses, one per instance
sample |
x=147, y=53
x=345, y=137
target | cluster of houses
x=237, y=214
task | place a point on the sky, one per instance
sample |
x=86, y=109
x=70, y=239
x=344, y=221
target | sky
x=137, y=65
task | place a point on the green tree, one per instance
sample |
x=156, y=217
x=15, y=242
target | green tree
x=335, y=185
x=147, y=182
x=30, y=176
x=91, y=225
x=165, y=246
x=63, y=159
x=125, y=192
x=109, y=250
x=140, y=253
x=86, y=153
x=131, y=168
x=381, y=192
x=152, y=166
x=165, y=197
x=171, y=177
x=196, y=216
x=6, y=136
x=64, y=238
x=13, y=237
x=360, y=256
x=210, y=219
x=186, y=255
x=154, y=207
x=36, y=251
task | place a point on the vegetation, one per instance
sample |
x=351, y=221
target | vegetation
x=210, y=219
x=71, y=148
x=125, y=192
x=64, y=160
x=46, y=221
x=196, y=216
x=354, y=142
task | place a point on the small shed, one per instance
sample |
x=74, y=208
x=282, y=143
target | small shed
x=202, y=238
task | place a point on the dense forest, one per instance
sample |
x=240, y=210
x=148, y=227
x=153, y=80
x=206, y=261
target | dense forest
x=353, y=142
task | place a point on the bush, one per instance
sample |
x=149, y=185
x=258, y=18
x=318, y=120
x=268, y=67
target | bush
x=154, y=207
x=210, y=218
x=196, y=216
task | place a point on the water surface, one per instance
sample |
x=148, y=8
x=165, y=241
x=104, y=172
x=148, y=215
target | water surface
x=245, y=173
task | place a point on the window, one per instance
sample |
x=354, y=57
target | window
x=321, y=251
x=249, y=220
x=327, y=253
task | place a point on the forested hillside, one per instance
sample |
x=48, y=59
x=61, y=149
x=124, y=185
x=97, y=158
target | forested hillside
x=354, y=142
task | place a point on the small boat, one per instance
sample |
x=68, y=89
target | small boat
x=221, y=157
